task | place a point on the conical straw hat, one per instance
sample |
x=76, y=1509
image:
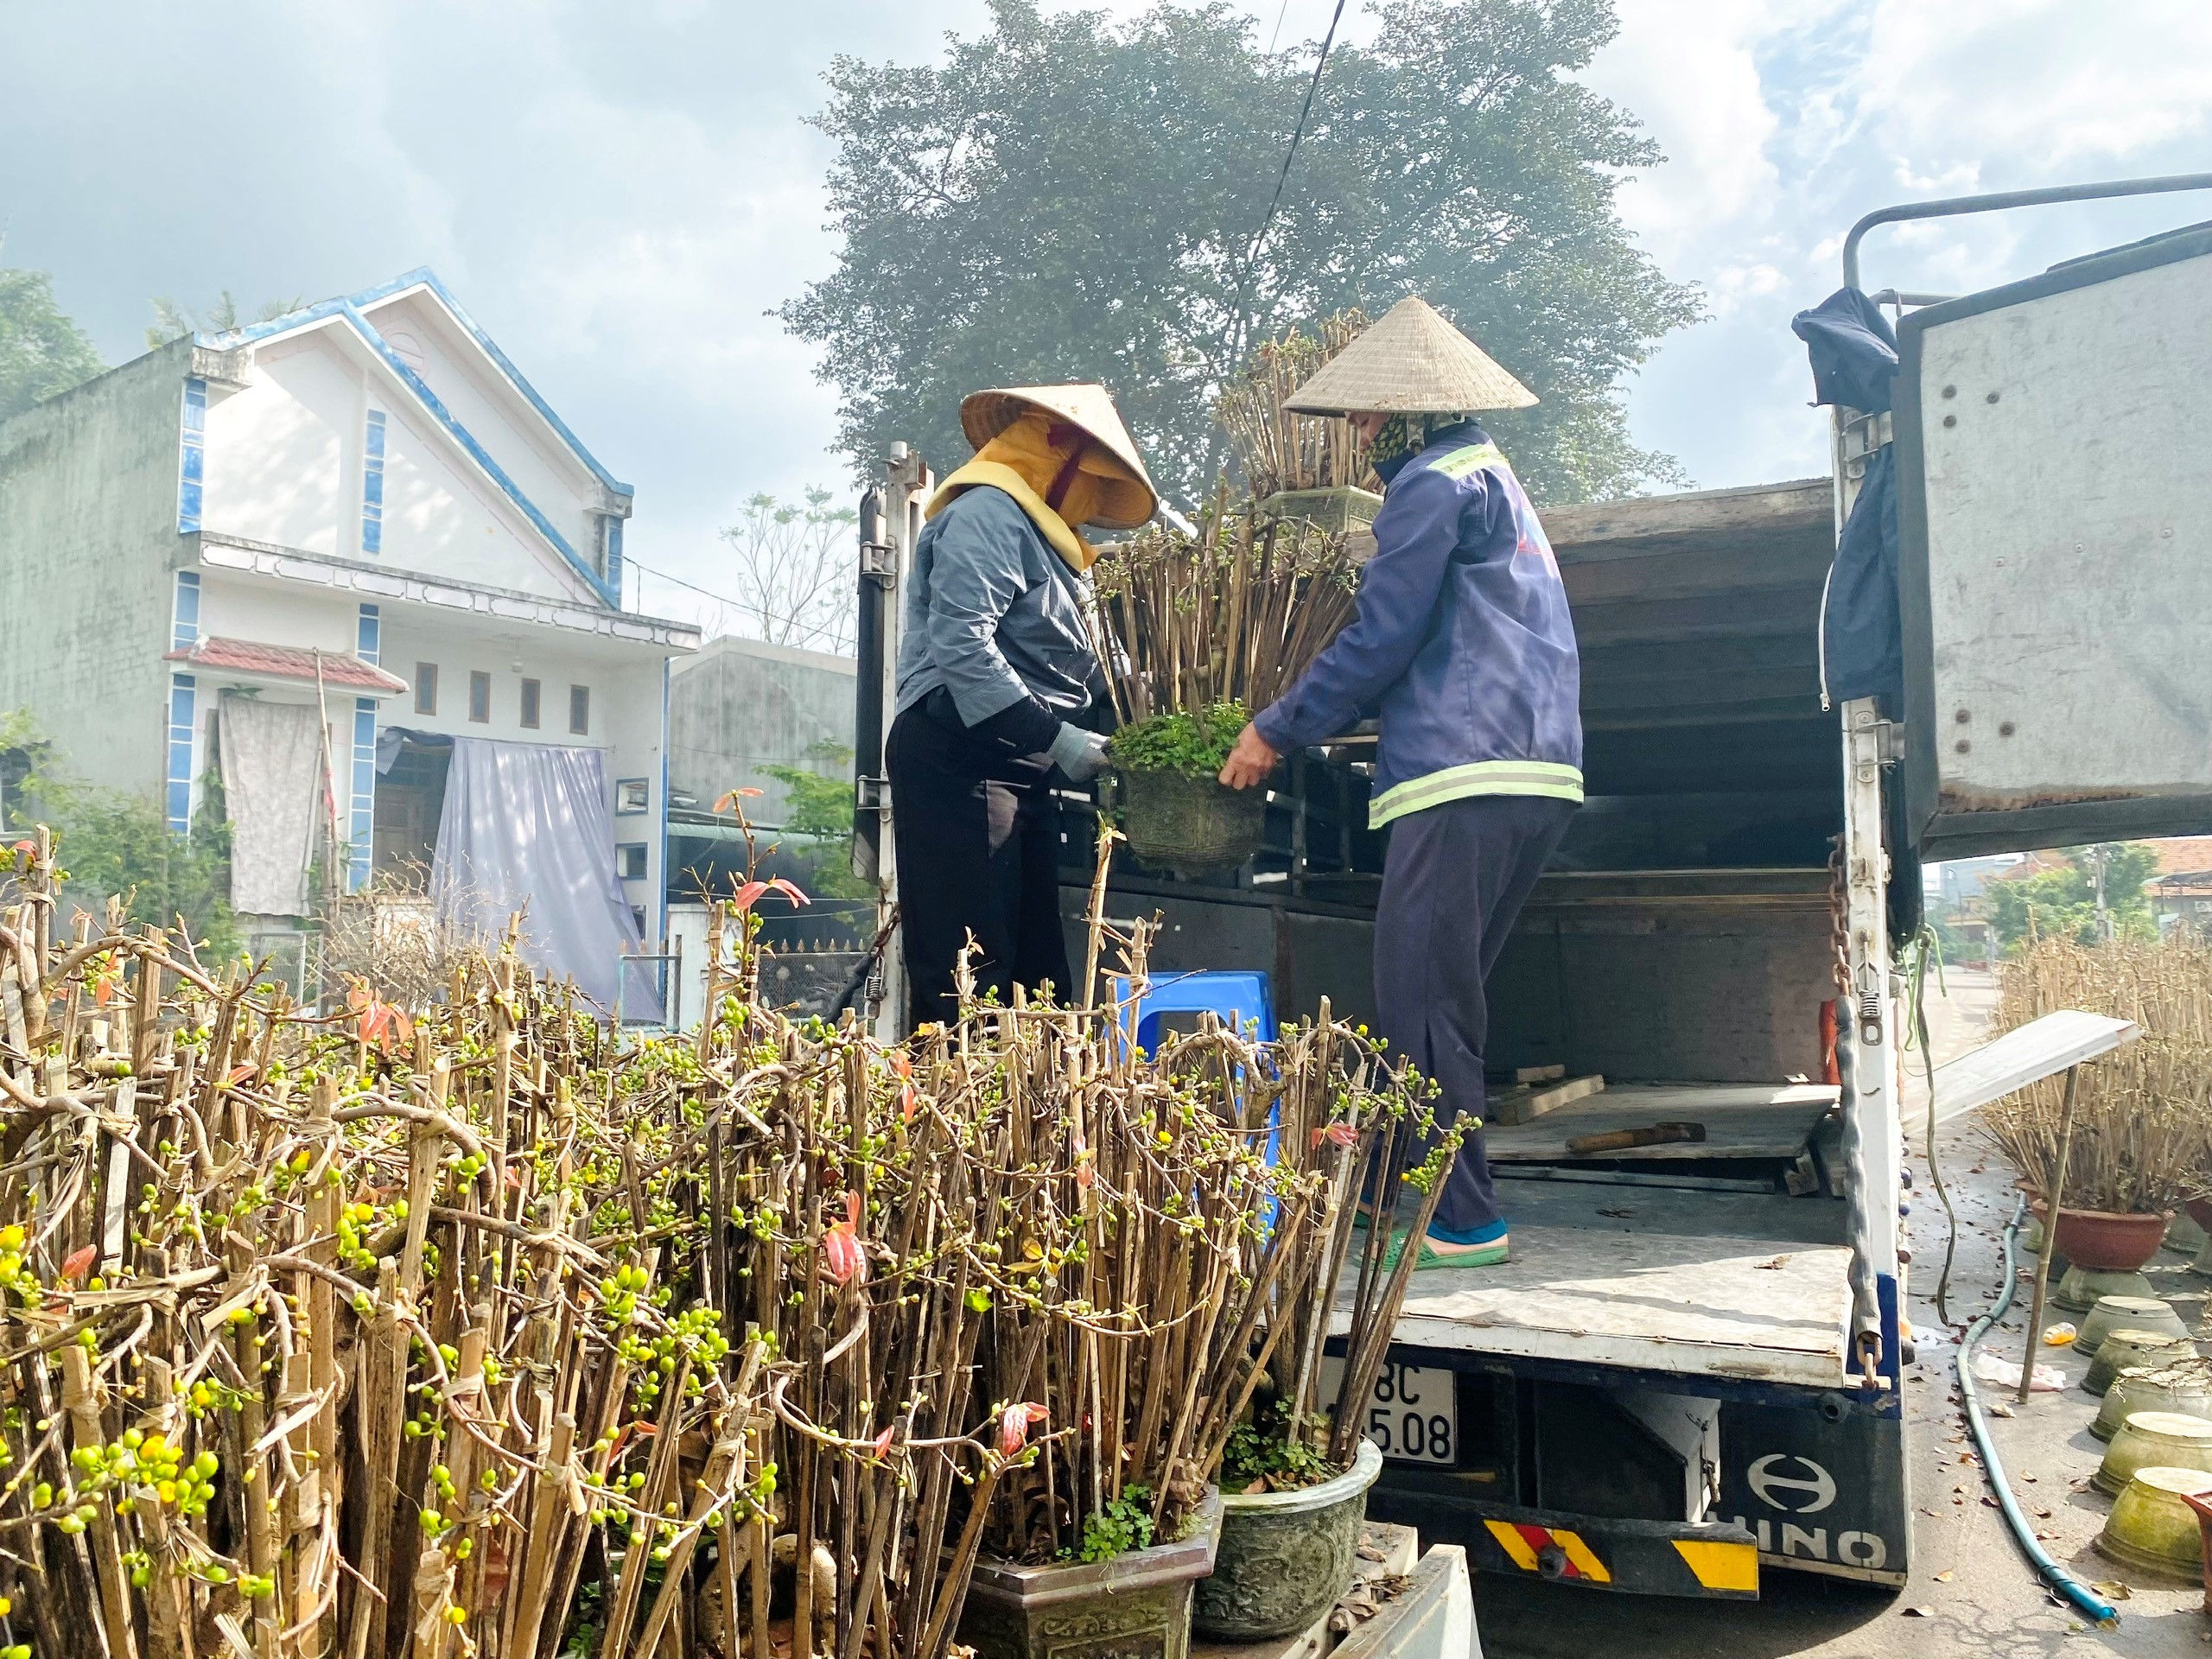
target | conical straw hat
x=1413, y=362
x=1124, y=504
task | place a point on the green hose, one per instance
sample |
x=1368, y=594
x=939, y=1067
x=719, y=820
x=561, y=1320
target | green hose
x=2024, y=1534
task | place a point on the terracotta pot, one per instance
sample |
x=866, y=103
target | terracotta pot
x=2200, y=1507
x=2200, y=1212
x=2098, y=1239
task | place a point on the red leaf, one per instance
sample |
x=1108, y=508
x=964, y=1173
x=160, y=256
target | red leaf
x=844, y=1258
x=883, y=1441
x=746, y=894
x=909, y=1103
x=1014, y=1426
x=79, y=1262
x=789, y=891
x=749, y=793
x=902, y=1066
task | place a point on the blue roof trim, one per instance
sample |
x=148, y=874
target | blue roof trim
x=424, y=276
x=477, y=452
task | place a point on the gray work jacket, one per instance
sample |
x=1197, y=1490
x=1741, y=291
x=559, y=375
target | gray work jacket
x=995, y=615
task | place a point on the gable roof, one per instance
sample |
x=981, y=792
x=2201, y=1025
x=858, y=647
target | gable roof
x=351, y=309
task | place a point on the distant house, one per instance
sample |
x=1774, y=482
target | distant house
x=2181, y=893
x=349, y=564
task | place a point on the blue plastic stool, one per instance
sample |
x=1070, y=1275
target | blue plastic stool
x=1235, y=997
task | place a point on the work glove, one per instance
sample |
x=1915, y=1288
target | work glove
x=1080, y=754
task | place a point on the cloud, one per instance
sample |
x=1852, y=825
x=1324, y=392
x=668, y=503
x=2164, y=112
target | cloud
x=620, y=194
x=1784, y=121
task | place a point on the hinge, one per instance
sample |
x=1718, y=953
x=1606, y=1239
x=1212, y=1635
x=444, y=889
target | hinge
x=879, y=561
x=872, y=794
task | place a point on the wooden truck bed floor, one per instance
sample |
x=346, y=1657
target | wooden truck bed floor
x=1656, y=1270
x=1742, y=1120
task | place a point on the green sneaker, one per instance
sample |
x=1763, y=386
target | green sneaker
x=1491, y=1254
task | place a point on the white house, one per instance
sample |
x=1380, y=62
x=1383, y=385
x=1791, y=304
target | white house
x=352, y=564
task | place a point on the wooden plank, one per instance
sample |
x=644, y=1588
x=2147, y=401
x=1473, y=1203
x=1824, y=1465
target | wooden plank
x=1742, y=1120
x=1529, y=1101
x=1801, y=505
x=1529, y=1074
x=1742, y=1307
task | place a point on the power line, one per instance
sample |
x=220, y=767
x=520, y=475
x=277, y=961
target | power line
x=1283, y=12
x=812, y=629
x=1296, y=133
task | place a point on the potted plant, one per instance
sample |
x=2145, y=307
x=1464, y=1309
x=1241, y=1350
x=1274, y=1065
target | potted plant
x=1195, y=630
x=1296, y=1469
x=2140, y=1143
x=1176, y=813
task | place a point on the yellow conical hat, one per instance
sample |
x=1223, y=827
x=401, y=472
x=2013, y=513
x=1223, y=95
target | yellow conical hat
x=1124, y=504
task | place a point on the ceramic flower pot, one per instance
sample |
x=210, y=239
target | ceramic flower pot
x=1286, y=1557
x=2184, y=1386
x=2165, y=1439
x=2152, y=1528
x=2123, y=1349
x=1137, y=1603
x=2079, y=1289
x=2129, y=1314
x=2098, y=1238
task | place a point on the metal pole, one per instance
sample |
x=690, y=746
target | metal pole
x=1951, y=206
x=2051, y=1200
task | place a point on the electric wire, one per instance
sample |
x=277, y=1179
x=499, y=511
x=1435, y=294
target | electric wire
x=2063, y=1582
x=811, y=630
x=1297, y=132
x=1925, y=947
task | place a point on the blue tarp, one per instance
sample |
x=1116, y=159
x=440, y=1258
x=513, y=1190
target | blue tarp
x=1854, y=353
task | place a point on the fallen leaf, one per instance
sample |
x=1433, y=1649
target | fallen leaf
x=1920, y=1612
x=1997, y=1408
x=1943, y=1577
x=2113, y=1589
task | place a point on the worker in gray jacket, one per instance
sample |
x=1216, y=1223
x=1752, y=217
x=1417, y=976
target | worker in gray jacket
x=999, y=686
x=1464, y=645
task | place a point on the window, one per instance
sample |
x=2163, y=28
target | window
x=580, y=710
x=426, y=688
x=480, y=695
x=631, y=797
x=610, y=551
x=192, y=457
x=368, y=635
x=530, y=700
x=184, y=627
x=630, y=860
x=372, y=484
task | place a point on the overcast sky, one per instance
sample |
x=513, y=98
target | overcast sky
x=619, y=192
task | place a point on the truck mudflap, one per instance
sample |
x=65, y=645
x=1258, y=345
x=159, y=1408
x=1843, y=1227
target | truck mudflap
x=1639, y=1558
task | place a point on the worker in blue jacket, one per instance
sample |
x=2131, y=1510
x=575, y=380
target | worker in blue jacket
x=1464, y=647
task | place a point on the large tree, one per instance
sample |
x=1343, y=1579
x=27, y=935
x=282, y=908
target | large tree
x=42, y=353
x=1073, y=197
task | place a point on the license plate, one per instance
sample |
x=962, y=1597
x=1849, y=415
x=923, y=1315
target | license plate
x=1411, y=1415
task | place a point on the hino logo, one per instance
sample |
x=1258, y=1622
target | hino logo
x=1773, y=1488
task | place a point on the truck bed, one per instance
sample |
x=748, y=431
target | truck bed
x=1654, y=1267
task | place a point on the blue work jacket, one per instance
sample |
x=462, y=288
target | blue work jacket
x=1462, y=643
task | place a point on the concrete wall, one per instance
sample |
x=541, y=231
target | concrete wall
x=88, y=501
x=625, y=720
x=740, y=705
x=285, y=460
x=541, y=467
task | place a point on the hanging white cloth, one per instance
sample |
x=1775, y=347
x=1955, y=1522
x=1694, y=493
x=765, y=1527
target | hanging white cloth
x=528, y=827
x=272, y=794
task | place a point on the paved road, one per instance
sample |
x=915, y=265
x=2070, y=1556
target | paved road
x=1971, y=1592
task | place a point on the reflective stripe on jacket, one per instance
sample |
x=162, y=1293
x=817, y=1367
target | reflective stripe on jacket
x=1462, y=643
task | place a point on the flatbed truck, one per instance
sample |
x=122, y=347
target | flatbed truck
x=1693, y=1370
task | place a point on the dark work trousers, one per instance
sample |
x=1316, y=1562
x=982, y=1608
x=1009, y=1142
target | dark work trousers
x=1453, y=883
x=977, y=838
